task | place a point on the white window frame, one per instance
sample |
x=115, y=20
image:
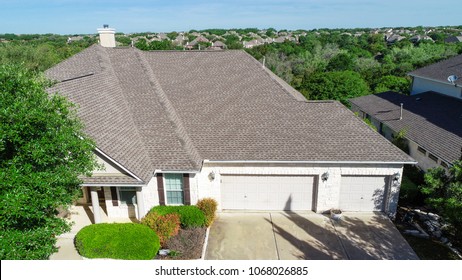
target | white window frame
x=165, y=188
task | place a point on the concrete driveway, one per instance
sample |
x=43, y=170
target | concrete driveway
x=306, y=236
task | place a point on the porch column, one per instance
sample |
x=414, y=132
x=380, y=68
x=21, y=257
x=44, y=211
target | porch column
x=140, y=202
x=95, y=204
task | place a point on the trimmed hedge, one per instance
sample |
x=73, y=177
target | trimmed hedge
x=117, y=241
x=190, y=215
x=209, y=207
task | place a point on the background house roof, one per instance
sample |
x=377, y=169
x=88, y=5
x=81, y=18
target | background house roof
x=170, y=110
x=430, y=119
x=440, y=71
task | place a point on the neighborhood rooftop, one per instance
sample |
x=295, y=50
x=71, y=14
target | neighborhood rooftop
x=440, y=71
x=171, y=110
x=432, y=120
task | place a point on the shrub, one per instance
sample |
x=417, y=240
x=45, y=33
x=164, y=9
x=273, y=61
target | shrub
x=190, y=215
x=164, y=226
x=410, y=194
x=117, y=241
x=209, y=207
x=34, y=244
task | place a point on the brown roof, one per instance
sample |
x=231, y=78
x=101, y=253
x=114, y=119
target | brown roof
x=170, y=110
x=432, y=120
x=440, y=71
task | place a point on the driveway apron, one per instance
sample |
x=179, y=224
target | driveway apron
x=305, y=236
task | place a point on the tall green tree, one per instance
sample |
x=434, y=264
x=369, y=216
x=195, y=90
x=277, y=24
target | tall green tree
x=444, y=191
x=43, y=150
x=339, y=85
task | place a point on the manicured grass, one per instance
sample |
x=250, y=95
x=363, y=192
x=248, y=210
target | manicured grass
x=117, y=241
x=428, y=249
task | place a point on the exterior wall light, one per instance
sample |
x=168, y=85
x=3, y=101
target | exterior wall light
x=325, y=176
x=212, y=176
x=396, y=178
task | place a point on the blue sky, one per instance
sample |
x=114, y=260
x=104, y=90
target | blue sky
x=84, y=16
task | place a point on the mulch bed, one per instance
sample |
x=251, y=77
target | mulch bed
x=186, y=245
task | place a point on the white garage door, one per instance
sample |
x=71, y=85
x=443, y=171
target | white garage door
x=266, y=192
x=362, y=193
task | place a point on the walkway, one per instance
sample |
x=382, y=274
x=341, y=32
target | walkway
x=81, y=216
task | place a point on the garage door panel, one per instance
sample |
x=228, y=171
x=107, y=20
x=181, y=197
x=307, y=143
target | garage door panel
x=362, y=193
x=266, y=192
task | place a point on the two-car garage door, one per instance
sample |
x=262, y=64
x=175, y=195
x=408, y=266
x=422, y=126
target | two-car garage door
x=267, y=192
x=278, y=192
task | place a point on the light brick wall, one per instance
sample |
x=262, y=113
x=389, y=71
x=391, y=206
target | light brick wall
x=328, y=192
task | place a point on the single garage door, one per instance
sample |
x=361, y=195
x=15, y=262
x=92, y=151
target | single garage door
x=266, y=192
x=362, y=193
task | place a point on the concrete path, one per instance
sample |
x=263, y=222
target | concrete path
x=80, y=216
x=301, y=236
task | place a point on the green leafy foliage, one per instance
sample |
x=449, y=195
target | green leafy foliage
x=392, y=83
x=341, y=85
x=190, y=215
x=43, y=150
x=444, y=191
x=42, y=52
x=400, y=141
x=209, y=207
x=409, y=193
x=165, y=226
x=117, y=241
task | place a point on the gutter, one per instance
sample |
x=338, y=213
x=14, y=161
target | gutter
x=176, y=171
x=112, y=185
x=118, y=164
x=309, y=161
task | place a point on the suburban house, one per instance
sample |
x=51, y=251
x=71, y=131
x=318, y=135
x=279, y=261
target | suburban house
x=172, y=127
x=431, y=116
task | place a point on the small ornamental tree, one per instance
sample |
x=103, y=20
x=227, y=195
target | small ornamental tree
x=42, y=152
x=444, y=191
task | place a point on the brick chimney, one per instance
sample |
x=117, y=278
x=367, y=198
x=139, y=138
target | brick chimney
x=107, y=36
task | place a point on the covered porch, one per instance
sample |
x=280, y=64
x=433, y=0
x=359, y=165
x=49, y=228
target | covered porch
x=103, y=203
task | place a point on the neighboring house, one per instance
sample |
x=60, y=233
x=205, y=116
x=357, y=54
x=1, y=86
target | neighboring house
x=172, y=127
x=218, y=45
x=435, y=77
x=418, y=38
x=453, y=39
x=432, y=114
x=432, y=123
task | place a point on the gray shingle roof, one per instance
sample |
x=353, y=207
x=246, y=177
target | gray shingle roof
x=432, y=120
x=170, y=110
x=440, y=71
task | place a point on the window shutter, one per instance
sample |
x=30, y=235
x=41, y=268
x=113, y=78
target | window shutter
x=186, y=190
x=160, y=189
x=115, y=201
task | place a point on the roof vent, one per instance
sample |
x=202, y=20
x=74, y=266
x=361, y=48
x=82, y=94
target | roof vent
x=452, y=79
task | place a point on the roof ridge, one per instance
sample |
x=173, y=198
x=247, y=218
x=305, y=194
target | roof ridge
x=177, y=124
x=106, y=66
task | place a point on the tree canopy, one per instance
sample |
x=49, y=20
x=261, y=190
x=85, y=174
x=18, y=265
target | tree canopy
x=43, y=150
x=339, y=85
x=444, y=191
